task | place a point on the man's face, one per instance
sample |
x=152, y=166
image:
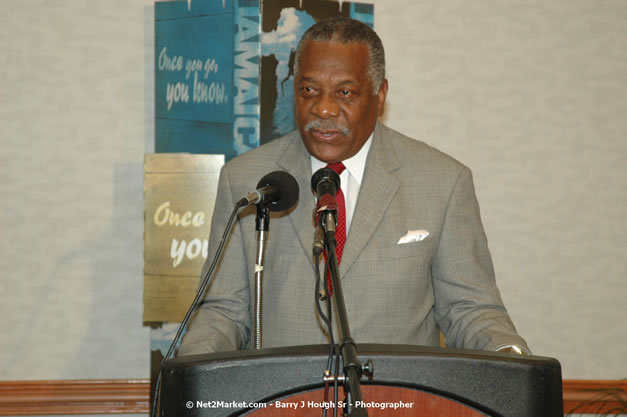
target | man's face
x=334, y=106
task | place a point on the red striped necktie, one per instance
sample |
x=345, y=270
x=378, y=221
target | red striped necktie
x=340, y=229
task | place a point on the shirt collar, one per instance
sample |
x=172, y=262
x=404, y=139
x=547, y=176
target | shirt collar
x=355, y=165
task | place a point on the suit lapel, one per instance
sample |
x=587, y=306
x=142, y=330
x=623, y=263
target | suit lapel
x=375, y=194
x=296, y=160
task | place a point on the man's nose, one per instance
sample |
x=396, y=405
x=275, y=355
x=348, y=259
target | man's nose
x=325, y=106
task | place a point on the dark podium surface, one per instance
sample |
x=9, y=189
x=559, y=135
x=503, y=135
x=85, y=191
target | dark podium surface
x=493, y=384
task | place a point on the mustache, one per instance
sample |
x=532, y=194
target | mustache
x=326, y=125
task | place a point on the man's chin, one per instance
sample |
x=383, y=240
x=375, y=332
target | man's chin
x=324, y=153
x=328, y=151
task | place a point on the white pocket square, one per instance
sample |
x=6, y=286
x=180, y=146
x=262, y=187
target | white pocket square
x=413, y=236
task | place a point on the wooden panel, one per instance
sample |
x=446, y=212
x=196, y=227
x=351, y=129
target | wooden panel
x=74, y=397
x=595, y=397
x=132, y=397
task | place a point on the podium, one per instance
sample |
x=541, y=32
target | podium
x=407, y=381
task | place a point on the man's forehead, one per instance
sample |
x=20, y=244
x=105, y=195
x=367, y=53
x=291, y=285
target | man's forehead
x=332, y=57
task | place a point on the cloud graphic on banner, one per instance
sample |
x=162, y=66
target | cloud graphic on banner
x=290, y=27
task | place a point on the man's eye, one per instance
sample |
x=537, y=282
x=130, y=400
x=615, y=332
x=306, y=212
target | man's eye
x=308, y=90
x=345, y=93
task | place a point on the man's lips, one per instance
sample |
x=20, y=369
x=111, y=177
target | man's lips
x=326, y=135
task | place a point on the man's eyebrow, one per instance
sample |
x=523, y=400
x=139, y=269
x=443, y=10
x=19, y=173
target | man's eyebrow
x=345, y=82
x=339, y=83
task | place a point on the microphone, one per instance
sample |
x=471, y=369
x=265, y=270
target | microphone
x=277, y=190
x=324, y=183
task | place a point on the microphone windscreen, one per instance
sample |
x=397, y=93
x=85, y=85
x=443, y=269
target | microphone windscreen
x=324, y=177
x=286, y=185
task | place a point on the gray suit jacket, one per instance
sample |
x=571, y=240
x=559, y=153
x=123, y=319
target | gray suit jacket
x=394, y=293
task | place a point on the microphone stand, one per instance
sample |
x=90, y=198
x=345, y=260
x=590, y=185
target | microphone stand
x=262, y=223
x=353, y=368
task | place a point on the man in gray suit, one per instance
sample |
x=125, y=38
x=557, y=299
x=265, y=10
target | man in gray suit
x=416, y=259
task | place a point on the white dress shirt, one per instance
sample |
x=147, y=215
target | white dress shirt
x=350, y=179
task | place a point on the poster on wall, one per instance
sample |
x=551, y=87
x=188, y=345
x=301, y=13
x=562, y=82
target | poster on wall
x=179, y=196
x=206, y=76
x=224, y=70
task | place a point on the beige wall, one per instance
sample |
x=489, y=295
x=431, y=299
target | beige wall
x=77, y=117
x=532, y=95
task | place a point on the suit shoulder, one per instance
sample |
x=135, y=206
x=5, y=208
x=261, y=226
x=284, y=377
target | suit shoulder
x=261, y=158
x=414, y=152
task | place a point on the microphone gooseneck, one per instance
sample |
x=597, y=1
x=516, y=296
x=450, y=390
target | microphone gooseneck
x=276, y=191
x=325, y=183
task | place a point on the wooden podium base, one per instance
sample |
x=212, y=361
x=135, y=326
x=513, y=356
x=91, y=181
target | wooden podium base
x=383, y=401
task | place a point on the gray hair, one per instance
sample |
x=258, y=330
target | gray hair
x=345, y=30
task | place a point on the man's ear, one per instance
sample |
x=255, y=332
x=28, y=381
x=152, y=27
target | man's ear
x=381, y=95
